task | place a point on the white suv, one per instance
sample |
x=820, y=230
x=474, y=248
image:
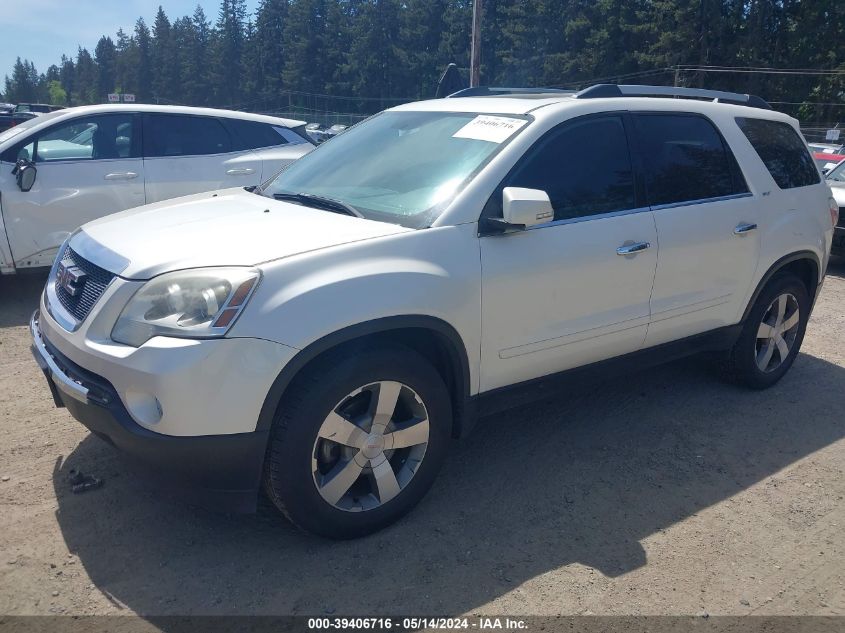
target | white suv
x=326, y=335
x=65, y=168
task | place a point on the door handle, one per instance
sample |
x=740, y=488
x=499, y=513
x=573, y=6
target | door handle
x=242, y=171
x=633, y=249
x=125, y=175
x=744, y=227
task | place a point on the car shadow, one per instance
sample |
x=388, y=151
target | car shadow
x=582, y=478
x=836, y=267
x=19, y=295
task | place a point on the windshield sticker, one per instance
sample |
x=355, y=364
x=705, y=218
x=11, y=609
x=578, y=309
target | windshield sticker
x=495, y=129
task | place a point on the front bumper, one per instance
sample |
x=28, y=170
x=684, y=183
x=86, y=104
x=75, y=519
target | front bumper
x=221, y=471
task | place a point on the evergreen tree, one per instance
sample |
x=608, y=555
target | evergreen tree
x=123, y=56
x=142, y=64
x=196, y=85
x=165, y=82
x=228, y=46
x=22, y=86
x=86, y=78
x=67, y=77
x=105, y=56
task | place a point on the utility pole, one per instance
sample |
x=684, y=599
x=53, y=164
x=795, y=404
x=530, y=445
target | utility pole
x=475, y=50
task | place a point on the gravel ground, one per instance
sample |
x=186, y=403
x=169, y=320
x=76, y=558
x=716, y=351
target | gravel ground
x=664, y=493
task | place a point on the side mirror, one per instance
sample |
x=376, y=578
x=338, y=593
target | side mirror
x=25, y=173
x=526, y=207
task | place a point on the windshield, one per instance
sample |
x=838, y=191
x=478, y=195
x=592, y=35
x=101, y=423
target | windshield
x=837, y=173
x=401, y=167
x=25, y=125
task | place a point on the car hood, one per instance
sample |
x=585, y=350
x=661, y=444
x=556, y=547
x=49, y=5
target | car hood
x=225, y=228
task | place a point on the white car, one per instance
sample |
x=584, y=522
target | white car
x=65, y=168
x=325, y=336
x=836, y=179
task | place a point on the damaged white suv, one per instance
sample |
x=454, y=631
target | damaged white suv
x=325, y=335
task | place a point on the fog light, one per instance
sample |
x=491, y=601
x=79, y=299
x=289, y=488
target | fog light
x=144, y=407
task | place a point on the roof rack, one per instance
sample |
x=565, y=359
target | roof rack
x=488, y=91
x=601, y=91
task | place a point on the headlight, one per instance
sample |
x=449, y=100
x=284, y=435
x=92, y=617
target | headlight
x=195, y=303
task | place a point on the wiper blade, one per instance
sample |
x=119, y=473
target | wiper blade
x=319, y=202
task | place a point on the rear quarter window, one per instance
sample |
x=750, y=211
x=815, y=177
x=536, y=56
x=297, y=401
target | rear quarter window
x=782, y=151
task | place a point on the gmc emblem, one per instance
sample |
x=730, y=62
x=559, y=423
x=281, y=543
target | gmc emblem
x=71, y=278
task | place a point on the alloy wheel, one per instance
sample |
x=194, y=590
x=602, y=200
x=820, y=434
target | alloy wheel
x=370, y=446
x=777, y=332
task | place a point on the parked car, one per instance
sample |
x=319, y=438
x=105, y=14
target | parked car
x=317, y=133
x=83, y=163
x=836, y=179
x=11, y=118
x=335, y=130
x=325, y=335
x=39, y=108
x=827, y=155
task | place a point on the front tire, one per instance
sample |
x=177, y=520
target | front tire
x=357, y=441
x=771, y=336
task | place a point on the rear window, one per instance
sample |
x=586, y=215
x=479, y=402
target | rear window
x=782, y=151
x=685, y=159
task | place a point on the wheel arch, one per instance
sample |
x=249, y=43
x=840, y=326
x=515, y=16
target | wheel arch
x=431, y=337
x=804, y=264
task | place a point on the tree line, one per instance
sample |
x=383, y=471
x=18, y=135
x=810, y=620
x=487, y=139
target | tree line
x=358, y=56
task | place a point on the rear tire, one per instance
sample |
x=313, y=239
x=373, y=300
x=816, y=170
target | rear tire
x=771, y=336
x=357, y=441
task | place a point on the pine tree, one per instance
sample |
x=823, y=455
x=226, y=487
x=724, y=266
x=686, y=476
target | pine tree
x=21, y=86
x=196, y=86
x=105, y=56
x=165, y=81
x=228, y=46
x=142, y=64
x=86, y=78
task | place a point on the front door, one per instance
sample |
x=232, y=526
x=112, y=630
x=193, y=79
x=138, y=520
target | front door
x=87, y=168
x=186, y=154
x=575, y=290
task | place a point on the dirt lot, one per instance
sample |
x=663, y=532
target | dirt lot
x=665, y=493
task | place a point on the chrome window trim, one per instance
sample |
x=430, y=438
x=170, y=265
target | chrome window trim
x=614, y=214
x=587, y=218
x=686, y=203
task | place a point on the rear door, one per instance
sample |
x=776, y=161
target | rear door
x=87, y=167
x=275, y=146
x=185, y=154
x=706, y=225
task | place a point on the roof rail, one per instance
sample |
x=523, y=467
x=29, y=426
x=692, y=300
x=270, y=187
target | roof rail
x=488, y=91
x=601, y=91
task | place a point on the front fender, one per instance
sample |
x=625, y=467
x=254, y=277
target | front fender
x=430, y=273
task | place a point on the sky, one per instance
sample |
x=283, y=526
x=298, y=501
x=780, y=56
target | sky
x=43, y=30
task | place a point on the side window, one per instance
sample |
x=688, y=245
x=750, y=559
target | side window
x=254, y=135
x=782, y=151
x=107, y=136
x=584, y=166
x=184, y=135
x=685, y=159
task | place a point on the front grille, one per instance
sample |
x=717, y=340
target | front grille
x=96, y=281
x=841, y=221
